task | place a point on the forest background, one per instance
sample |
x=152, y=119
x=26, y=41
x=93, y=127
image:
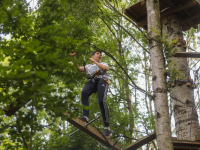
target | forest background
x=36, y=69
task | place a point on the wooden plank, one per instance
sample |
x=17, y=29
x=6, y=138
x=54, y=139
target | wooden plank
x=178, y=8
x=169, y=11
x=192, y=24
x=167, y=3
x=92, y=132
x=185, y=27
x=187, y=54
x=191, y=18
x=180, y=144
x=130, y=11
x=142, y=141
x=127, y=13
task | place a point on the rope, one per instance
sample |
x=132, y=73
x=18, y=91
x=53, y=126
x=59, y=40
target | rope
x=131, y=70
x=188, y=69
x=84, y=66
x=100, y=145
x=192, y=49
x=195, y=64
x=125, y=128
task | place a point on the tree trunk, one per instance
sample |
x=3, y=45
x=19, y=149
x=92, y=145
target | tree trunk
x=182, y=95
x=31, y=134
x=31, y=126
x=163, y=130
x=125, y=88
x=130, y=110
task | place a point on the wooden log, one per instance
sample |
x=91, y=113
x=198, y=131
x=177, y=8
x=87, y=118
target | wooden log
x=180, y=83
x=179, y=43
x=141, y=141
x=91, y=132
x=173, y=84
x=188, y=84
x=173, y=44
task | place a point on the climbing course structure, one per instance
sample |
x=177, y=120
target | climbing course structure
x=175, y=17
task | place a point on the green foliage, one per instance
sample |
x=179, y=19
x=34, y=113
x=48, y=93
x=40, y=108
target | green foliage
x=36, y=70
x=39, y=69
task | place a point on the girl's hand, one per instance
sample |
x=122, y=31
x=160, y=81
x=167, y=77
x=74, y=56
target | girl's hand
x=73, y=54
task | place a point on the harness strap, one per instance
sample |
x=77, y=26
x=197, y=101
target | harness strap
x=84, y=66
x=106, y=79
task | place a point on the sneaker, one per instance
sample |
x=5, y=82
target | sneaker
x=107, y=133
x=84, y=119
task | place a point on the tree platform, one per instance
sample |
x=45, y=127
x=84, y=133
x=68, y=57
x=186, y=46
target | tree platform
x=188, y=10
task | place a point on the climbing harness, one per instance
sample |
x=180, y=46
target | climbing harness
x=95, y=74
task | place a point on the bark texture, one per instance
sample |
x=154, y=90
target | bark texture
x=182, y=96
x=163, y=130
x=130, y=110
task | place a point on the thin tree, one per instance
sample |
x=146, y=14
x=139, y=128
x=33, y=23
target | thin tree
x=163, y=130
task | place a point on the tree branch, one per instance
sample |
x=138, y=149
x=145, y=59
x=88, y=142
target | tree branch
x=48, y=13
x=21, y=31
x=19, y=130
x=125, y=31
x=131, y=36
x=116, y=95
x=125, y=18
x=122, y=77
x=110, y=29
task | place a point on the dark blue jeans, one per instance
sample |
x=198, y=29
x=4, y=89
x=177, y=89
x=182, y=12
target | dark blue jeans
x=100, y=86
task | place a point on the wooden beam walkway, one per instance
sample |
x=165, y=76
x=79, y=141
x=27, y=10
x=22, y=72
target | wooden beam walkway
x=92, y=132
x=186, y=145
x=187, y=54
x=177, y=144
x=142, y=141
